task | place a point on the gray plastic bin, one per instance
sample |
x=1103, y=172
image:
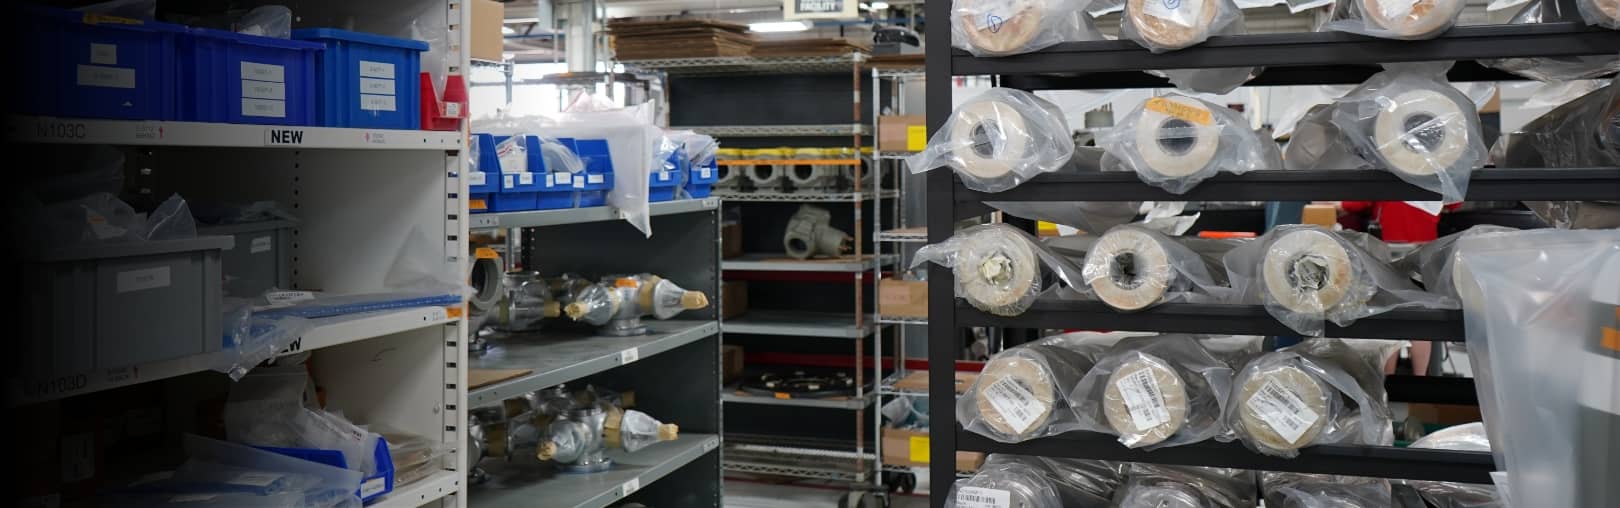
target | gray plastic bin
x=261, y=258
x=116, y=305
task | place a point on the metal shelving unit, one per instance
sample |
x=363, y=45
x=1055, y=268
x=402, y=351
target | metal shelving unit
x=537, y=218
x=746, y=65
x=518, y=486
x=798, y=324
x=557, y=358
x=778, y=131
x=37, y=129
x=856, y=403
x=804, y=197
x=1290, y=58
x=774, y=263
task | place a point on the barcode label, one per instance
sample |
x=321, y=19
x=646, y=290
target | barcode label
x=1282, y=410
x=1143, y=399
x=980, y=497
x=1015, y=403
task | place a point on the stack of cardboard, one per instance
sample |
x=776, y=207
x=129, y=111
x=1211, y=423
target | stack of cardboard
x=807, y=47
x=690, y=38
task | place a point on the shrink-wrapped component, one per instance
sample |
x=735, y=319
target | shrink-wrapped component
x=998, y=269
x=1321, y=391
x=1154, y=392
x=1174, y=142
x=998, y=140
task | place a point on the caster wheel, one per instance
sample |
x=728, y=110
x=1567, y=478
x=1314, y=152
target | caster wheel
x=863, y=500
x=906, y=482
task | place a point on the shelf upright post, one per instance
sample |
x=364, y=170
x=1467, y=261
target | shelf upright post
x=942, y=330
x=877, y=278
x=860, y=317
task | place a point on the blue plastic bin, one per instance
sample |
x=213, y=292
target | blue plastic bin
x=592, y=187
x=366, y=80
x=700, y=180
x=90, y=66
x=485, y=174
x=661, y=185
x=235, y=78
x=371, y=487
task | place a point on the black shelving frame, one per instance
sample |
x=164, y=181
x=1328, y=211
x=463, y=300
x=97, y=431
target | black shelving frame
x=1290, y=59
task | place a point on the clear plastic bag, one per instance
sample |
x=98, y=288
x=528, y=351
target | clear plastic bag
x=1009, y=481
x=1022, y=392
x=1168, y=25
x=267, y=21
x=414, y=457
x=1395, y=19
x=1541, y=309
x=138, y=9
x=1154, y=392
x=998, y=268
x=1604, y=13
x=1432, y=262
x=1321, y=391
x=1553, y=68
x=1317, y=143
x=1132, y=268
x=1297, y=490
x=1010, y=27
x=1466, y=437
x=1306, y=275
x=1175, y=141
x=1411, y=122
x=1162, y=486
x=1582, y=133
x=337, y=485
x=252, y=338
x=998, y=140
x=1219, y=81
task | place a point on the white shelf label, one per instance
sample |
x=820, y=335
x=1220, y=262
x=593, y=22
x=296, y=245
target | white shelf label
x=630, y=487
x=704, y=172
x=104, y=54
x=264, y=108
x=285, y=298
x=452, y=109
x=263, y=90
x=369, y=69
x=377, y=86
x=260, y=244
x=371, y=102
x=506, y=181
x=278, y=136
x=560, y=178
x=629, y=355
x=106, y=77
x=594, y=179
x=140, y=280
x=525, y=178
x=579, y=183
x=264, y=72
x=475, y=178
x=373, y=487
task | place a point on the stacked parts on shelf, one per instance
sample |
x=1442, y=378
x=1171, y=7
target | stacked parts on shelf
x=809, y=47
x=692, y=38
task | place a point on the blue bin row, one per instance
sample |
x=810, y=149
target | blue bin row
x=680, y=179
x=94, y=66
x=371, y=487
x=537, y=188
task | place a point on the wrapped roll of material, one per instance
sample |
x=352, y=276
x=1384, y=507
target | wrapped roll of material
x=1310, y=271
x=1420, y=132
x=1175, y=141
x=1151, y=485
x=1163, y=496
x=1020, y=393
x=999, y=139
x=1411, y=19
x=1001, y=27
x=1146, y=398
x=1128, y=269
x=1009, y=484
x=1167, y=25
x=998, y=273
x=1172, y=140
x=1604, y=13
x=992, y=138
x=1467, y=437
x=1283, y=407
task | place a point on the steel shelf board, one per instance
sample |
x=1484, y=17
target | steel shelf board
x=537, y=218
x=731, y=396
x=1300, y=49
x=901, y=320
x=906, y=235
x=534, y=484
x=795, y=462
x=797, y=324
x=424, y=491
x=1349, y=460
x=763, y=262
x=746, y=65
x=33, y=129
x=325, y=332
x=561, y=357
x=1491, y=184
x=899, y=156
x=1427, y=324
x=799, y=197
x=771, y=131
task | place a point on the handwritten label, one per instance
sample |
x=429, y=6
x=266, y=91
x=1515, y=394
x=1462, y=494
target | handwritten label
x=1191, y=114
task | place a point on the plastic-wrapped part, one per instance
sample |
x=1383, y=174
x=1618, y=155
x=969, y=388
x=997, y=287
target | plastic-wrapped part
x=1175, y=141
x=1296, y=490
x=336, y=484
x=1022, y=392
x=1219, y=81
x=1306, y=274
x=1553, y=68
x=414, y=457
x=1321, y=391
x=634, y=430
x=1411, y=122
x=1466, y=437
x=1132, y=268
x=1163, y=486
x=1013, y=481
x=1163, y=26
x=1317, y=143
x=1395, y=19
x=1010, y=27
x=999, y=268
x=1577, y=214
x=1604, y=13
x=1154, y=392
x=1540, y=309
x=1584, y=132
x=1432, y=261
x=212, y=477
x=137, y=9
x=251, y=338
x=267, y=21
x=998, y=140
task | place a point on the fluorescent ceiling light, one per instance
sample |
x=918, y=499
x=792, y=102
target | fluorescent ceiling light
x=866, y=6
x=779, y=26
x=506, y=30
x=880, y=5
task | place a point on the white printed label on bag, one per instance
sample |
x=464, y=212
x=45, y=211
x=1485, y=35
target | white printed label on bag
x=254, y=479
x=369, y=69
x=1015, y=403
x=263, y=90
x=980, y=497
x=373, y=486
x=1186, y=13
x=594, y=179
x=371, y=102
x=103, y=54
x=106, y=77
x=260, y=244
x=264, y=72
x=1282, y=410
x=264, y=108
x=992, y=14
x=138, y=280
x=285, y=298
x=1143, y=399
x=377, y=86
x=561, y=178
x=475, y=178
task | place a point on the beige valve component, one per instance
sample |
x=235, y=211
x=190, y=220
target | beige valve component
x=1145, y=401
x=1015, y=395
x=1283, y=407
x=1309, y=271
x=486, y=275
x=1411, y=18
x=810, y=233
x=1420, y=132
x=1168, y=31
x=633, y=430
x=1000, y=26
x=666, y=300
x=617, y=304
x=1128, y=269
x=546, y=451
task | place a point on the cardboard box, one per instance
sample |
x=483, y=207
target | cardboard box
x=731, y=243
x=488, y=16
x=733, y=298
x=1321, y=215
x=902, y=133
x=731, y=363
x=905, y=447
x=918, y=381
x=903, y=298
